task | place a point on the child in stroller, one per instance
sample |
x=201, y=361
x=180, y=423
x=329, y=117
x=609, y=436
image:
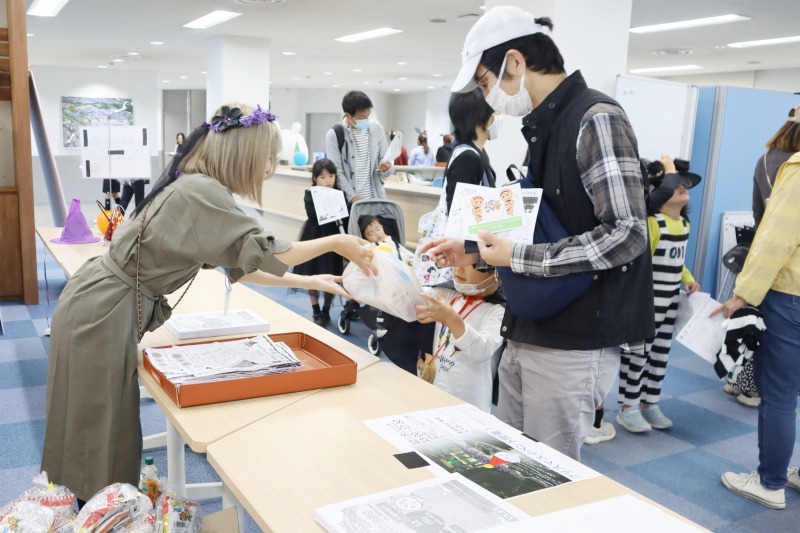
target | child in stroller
x=379, y=220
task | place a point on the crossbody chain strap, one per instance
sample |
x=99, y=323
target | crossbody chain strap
x=138, y=268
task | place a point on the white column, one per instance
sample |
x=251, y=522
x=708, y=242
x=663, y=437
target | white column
x=237, y=71
x=592, y=36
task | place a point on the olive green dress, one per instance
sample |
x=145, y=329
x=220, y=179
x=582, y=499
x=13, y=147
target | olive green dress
x=93, y=436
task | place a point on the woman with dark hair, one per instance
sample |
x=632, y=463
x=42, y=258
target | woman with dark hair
x=781, y=146
x=474, y=123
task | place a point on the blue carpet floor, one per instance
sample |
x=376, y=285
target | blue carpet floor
x=679, y=468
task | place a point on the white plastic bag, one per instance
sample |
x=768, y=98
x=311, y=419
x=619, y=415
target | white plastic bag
x=395, y=290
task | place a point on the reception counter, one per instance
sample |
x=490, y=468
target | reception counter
x=283, y=211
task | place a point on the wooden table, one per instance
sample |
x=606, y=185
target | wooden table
x=318, y=451
x=201, y=425
x=70, y=257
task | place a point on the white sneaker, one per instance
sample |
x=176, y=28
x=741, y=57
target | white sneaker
x=730, y=388
x=632, y=420
x=749, y=400
x=793, y=480
x=605, y=432
x=749, y=486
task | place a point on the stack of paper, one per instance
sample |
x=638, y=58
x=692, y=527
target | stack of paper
x=443, y=504
x=216, y=324
x=221, y=361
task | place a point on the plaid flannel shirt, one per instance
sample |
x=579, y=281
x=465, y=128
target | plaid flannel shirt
x=610, y=173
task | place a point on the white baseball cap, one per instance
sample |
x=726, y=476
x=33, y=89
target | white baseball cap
x=496, y=26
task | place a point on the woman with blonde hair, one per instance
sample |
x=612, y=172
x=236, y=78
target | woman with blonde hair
x=189, y=221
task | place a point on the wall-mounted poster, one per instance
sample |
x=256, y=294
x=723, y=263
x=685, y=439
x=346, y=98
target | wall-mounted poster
x=78, y=112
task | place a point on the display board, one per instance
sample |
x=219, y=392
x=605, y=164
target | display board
x=662, y=114
x=116, y=152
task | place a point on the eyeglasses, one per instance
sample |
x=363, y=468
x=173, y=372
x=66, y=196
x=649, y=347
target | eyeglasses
x=487, y=71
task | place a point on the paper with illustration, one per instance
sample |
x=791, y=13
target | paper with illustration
x=329, y=204
x=474, y=444
x=444, y=504
x=508, y=211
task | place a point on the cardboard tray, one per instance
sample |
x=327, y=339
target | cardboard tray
x=322, y=367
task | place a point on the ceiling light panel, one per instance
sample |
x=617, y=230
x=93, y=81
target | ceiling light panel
x=212, y=19
x=664, y=69
x=46, y=8
x=371, y=34
x=694, y=23
x=766, y=42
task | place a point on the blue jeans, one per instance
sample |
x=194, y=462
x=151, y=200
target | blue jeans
x=777, y=375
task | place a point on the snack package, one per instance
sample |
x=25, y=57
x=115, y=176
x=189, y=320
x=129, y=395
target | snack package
x=30, y=517
x=56, y=499
x=396, y=290
x=176, y=514
x=114, y=508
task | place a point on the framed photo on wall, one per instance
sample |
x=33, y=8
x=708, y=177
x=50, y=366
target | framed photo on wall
x=78, y=112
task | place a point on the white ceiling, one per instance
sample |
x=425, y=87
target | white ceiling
x=88, y=33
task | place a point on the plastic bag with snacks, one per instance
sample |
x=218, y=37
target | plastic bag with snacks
x=56, y=499
x=114, y=508
x=176, y=514
x=30, y=517
x=396, y=290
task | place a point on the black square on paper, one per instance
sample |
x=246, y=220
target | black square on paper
x=411, y=460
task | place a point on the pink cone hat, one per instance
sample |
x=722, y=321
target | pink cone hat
x=76, y=230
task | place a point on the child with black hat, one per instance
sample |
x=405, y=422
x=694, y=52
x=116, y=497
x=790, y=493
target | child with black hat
x=641, y=375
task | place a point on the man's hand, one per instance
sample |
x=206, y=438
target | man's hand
x=356, y=198
x=446, y=251
x=495, y=250
x=383, y=166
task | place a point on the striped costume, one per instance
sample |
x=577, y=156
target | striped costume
x=641, y=374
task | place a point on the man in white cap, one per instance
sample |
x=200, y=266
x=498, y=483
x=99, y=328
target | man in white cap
x=556, y=372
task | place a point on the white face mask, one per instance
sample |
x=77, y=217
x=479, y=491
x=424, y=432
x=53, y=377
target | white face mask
x=473, y=289
x=518, y=105
x=494, y=127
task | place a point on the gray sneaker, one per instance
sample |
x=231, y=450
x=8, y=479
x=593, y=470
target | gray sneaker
x=793, y=480
x=656, y=419
x=749, y=486
x=632, y=420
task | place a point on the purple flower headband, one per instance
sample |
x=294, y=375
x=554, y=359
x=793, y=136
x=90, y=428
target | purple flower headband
x=232, y=117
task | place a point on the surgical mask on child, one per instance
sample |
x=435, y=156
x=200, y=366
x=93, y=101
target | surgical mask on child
x=518, y=105
x=473, y=289
x=494, y=127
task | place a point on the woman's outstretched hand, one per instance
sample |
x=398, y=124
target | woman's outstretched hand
x=357, y=251
x=327, y=283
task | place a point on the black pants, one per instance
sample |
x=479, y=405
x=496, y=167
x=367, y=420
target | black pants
x=136, y=187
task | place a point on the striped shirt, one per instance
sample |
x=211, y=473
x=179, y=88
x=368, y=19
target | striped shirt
x=610, y=173
x=363, y=166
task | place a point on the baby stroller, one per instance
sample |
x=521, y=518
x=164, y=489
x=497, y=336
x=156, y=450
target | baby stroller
x=401, y=341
